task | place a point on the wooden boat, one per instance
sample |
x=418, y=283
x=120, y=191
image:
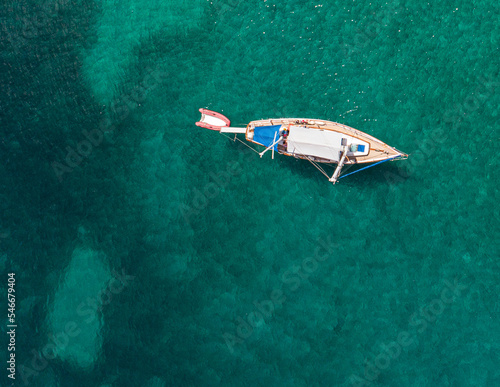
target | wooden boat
x=318, y=141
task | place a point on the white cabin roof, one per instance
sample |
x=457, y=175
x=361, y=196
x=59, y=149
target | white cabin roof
x=323, y=143
x=314, y=142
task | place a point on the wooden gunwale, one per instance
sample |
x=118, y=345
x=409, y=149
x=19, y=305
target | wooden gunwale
x=373, y=155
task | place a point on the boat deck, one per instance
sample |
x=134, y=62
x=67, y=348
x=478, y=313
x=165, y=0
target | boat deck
x=378, y=150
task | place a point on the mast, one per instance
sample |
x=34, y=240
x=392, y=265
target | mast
x=271, y=146
x=336, y=174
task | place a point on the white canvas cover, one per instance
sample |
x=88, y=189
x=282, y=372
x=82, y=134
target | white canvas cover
x=315, y=142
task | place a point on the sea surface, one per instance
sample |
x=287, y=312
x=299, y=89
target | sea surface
x=147, y=251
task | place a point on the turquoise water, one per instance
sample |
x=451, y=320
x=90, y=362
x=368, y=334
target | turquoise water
x=150, y=252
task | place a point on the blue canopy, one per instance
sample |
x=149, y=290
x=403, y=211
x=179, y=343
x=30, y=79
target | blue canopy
x=265, y=135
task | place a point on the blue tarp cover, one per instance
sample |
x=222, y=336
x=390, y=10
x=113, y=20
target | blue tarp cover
x=265, y=135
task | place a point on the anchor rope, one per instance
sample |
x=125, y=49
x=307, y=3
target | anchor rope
x=318, y=167
x=236, y=138
x=313, y=163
